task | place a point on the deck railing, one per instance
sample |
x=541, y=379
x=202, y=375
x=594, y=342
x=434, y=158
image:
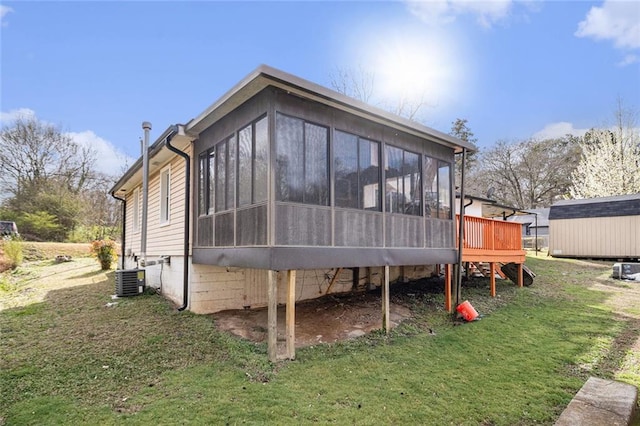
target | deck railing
x=490, y=235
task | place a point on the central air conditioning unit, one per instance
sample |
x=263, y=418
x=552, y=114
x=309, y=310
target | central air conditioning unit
x=130, y=282
x=626, y=271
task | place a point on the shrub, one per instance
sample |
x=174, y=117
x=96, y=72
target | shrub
x=42, y=225
x=12, y=248
x=105, y=252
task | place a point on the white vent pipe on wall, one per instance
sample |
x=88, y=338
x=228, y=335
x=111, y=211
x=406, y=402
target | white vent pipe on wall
x=146, y=126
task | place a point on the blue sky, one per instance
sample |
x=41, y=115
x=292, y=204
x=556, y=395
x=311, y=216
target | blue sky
x=513, y=69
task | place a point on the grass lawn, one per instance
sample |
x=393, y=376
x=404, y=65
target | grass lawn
x=67, y=357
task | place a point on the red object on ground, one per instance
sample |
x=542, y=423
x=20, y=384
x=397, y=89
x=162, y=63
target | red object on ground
x=467, y=311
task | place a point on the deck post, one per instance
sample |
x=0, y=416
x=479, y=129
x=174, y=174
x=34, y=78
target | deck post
x=385, y=300
x=447, y=288
x=272, y=316
x=291, y=314
x=492, y=278
x=520, y=277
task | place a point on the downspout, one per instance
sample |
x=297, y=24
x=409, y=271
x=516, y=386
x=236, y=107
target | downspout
x=187, y=209
x=124, y=227
x=460, y=229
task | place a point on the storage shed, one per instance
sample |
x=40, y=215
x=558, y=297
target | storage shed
x=597, y=228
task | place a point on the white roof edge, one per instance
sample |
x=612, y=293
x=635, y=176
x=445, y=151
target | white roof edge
x=276, y=75
x=154, y=149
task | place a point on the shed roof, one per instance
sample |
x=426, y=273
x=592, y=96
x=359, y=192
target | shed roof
x=610, y=199
x=618, y=205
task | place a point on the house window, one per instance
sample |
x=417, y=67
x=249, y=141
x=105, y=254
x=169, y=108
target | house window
x=444, y=190
x=210, y=168
x=437, y=189
x=206, y=182
x=225, y=177
x=218, y=175
x=357, y=172
x=202, y=184
x=402, y=181
x=165, y=195
x=253, y=147
x=302, y=172
x=136, y=210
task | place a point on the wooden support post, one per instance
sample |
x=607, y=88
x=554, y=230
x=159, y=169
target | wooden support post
x=272, y=316
x=385, y=300
x=492, y=278
x=291, y=314
x=447, y=288
x=520, y=277
x=333, y=280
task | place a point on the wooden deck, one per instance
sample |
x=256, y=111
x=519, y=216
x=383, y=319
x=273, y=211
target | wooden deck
x=491, y=241
x=487, y=241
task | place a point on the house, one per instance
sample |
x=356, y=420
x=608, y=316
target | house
x=599, y=228
x=536, y=222
x=283, y=190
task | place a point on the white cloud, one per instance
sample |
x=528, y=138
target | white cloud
x=558, y=130
x=628, y=60
x=14, y=114
x=618, y=21
x=109, y=159
x=3, y=12
x=445, y=11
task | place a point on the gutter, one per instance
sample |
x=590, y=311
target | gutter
x=124, y=226
x=187, y=209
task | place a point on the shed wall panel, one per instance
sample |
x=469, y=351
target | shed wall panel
x=614, y=237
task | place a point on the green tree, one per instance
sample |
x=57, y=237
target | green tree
x=41, y=225
x=461, y=130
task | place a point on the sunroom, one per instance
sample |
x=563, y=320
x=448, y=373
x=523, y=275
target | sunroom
x=291, y=176
x=300, y=177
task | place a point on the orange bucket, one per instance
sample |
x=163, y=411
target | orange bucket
x=467, y=311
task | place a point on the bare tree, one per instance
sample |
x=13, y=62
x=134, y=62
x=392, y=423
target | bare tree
x=610, y=161
x=355, y=83
x=33, y=153
x=43, y=172
x=529, y=174
x=360, y=84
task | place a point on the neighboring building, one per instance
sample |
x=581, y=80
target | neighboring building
x=488, y=208
x=599, y=228
x=289, y=176
x=536, y=222
x=473, y=206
